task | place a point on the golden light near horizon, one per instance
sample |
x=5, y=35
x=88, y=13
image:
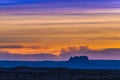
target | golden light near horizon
x=59, y=28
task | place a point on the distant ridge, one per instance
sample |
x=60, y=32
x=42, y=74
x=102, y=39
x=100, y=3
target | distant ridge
x=78, y=62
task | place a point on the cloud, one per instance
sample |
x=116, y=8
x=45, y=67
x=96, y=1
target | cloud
x=11, y=46
x=106, y=54
x=109, y=53
x=104, y=38
x=21, y=46
x=38, y=47
x=28, y=57
x=63, y=7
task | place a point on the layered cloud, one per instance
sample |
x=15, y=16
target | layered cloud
x=105, y=54
x=38, y=7
x=28, y=57
x=19, y=47
x=109, y=53
x=11, y=46
x=59, y=24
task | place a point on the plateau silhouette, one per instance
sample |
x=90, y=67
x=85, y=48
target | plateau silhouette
x=78, y=62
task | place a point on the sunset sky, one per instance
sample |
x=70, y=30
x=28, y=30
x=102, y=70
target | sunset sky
x=51, y=26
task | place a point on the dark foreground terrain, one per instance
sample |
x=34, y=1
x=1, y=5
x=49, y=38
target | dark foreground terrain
x=28, y=73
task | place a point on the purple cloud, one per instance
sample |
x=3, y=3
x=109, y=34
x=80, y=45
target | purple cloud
x=11, y=46
x=20, y=47
x=106, y=54
x=109, y=53
x=33, y=7
x=27, y=57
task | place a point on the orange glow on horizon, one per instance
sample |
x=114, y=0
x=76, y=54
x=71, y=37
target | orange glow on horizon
x=98, y=29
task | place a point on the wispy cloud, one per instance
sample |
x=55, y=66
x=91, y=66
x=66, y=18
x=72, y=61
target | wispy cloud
x=59, y=24
x=11, y=46
x=21, y=46
x=33, y=7
x=28, y=57
x=108, y=54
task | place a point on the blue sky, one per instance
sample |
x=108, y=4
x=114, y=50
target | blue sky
x=50, y=4
x=87, y=2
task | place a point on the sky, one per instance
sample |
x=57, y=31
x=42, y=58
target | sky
x=49, y=29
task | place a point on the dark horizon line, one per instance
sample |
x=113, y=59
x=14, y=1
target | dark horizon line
x=57, y=60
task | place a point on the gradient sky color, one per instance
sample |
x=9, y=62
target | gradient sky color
x=48, y=26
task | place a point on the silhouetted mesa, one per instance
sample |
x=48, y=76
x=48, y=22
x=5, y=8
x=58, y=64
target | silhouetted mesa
x=78, y=62
x=79, y=59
